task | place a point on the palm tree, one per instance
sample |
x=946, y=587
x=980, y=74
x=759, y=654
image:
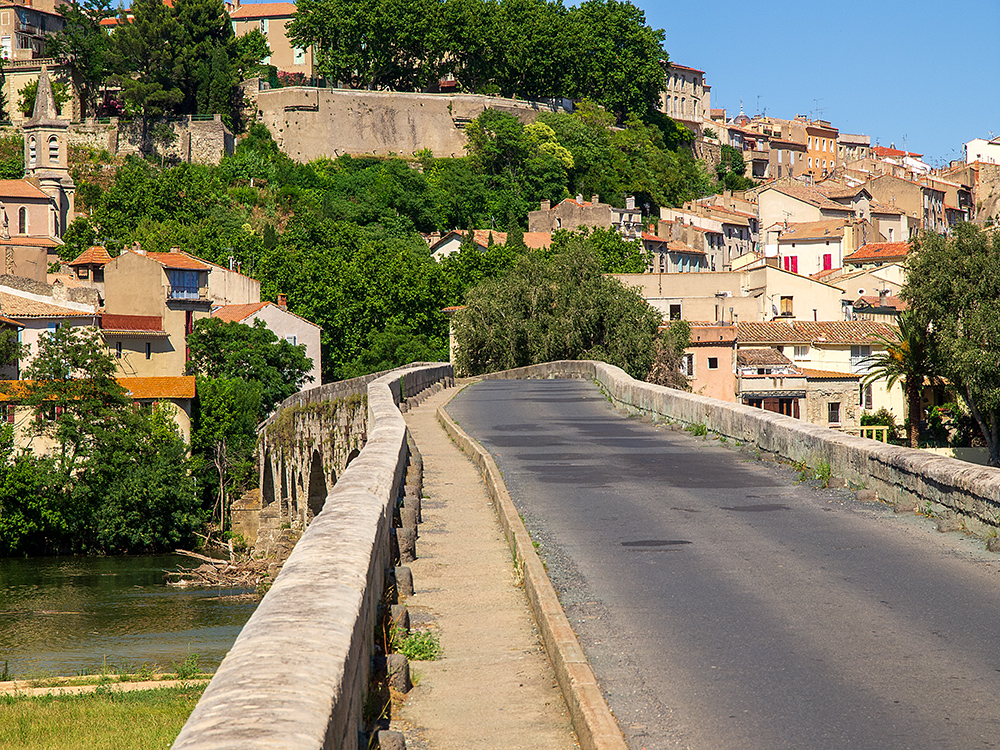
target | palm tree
x=907, y=358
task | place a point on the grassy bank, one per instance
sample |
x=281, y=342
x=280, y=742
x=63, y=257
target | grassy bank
x=107, y=719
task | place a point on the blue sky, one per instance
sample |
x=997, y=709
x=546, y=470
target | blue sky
x=927, y=73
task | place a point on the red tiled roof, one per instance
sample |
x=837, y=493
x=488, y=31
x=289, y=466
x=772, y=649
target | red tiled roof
x=21, y=189
x=151, y=324
x=685, y=67
x=827, y=374
x=874, y=301
x=809, y=195
x=880, y=251
x=237, y=313
x=263, y=10
x=31, y=242
x=769, y=357
x=679, y=247
x=177, y=260
x=806, y=332
x=882, y=151
x=820, y=275
x=812, y=230
x=92, y=256
x=16, y=306
x=162, y=387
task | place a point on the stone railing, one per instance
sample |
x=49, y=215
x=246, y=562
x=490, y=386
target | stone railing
x=297, y=674
x=903, y=476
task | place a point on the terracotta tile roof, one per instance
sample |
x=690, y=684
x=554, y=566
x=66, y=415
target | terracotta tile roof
x=31, y=242
x=812, y=230
x=820, y=275
x=812, y=374
x=761, y=358
x=237, y=313
x=132, y=324
x=263, y=10
x=709, y=333
x=21, y=189
x=879, y=251
x=834, y=190
x=177, y=260
x=810, y=195
x=870, y=300
x=881, y=208
x=685, y=67
x=163, y=387
x=534, y=240
x=92, y=256
x=14, y=306
x=676, y=246
x=809, y=332
x=882, y=152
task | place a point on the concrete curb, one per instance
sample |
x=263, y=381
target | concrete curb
x=595, y=725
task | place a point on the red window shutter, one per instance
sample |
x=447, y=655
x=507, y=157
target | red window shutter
x=795, y=263
x=10, y=413
x=787, y=264
x=827, y=262
x=59, y=411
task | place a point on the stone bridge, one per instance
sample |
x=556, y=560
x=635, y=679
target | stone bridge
x=335, y=462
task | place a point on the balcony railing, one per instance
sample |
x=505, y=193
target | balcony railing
x=185, y=292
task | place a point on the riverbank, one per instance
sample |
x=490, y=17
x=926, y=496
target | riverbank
x=106, y=717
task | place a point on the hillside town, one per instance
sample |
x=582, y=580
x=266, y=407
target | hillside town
x=790, y=285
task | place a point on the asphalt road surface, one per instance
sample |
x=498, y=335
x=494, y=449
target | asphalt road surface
x=724, y=605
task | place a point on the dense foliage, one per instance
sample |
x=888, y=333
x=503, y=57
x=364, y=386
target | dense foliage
x=177, y=58
x=532, y=49
x=118, y=479
x=340, y=237
x=953, y=291
x=562, y=307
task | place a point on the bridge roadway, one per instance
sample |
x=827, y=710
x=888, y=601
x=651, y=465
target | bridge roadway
x=724, y=606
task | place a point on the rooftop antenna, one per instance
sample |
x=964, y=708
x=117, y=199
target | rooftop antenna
x=818, y=110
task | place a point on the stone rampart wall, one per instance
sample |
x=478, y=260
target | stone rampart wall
x=897, y=474
x=296, y=676
x=311, y=123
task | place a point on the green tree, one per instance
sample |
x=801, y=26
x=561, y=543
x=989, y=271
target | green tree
x=563, y=308
x=617, y=254
x=953, y=290
x=231, y=350
x=85, y=46
x=731, y=170
x=28, y=92
x=71, y=387
x=225, y=433
x=31, y=517
x=619, y=59
x=667, y=355
x=907, y=358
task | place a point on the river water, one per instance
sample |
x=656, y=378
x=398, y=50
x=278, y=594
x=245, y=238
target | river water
x=70, y=615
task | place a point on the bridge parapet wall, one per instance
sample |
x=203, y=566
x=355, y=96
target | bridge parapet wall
x=897, y=474
x=297, y=674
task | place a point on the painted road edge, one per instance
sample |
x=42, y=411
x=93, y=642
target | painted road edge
x=596, y=727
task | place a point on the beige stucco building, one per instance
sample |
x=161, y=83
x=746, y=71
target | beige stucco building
x=575, y=213
x=271, y=19
x=686, y=97
x=710, y=362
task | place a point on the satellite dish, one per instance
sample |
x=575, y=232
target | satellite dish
x=861, y=292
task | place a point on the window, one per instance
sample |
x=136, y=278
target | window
x=53, y=150
x=292, y=339
x=866, y=397
x=791, y=263
x=31, y=152
x=810, y=162
x=22, y=220
x=687, y=365
x=859, y=358
x=83, y=272
x=801, y=352
x=10, y=413
x=810, y=142
x=890, y=234
x=300, y=56
x=149, y=350
x=833, y=412
x=713, y=363
x=183, y=284
x=675, y=312
x=827, y=261
x=786, y=306
x=263, y=26
x=118, y=350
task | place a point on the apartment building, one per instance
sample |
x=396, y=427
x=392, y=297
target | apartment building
x=271, y=20
x=686, y=97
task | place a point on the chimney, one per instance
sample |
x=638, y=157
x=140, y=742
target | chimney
x=177, y=250
x=59, y=291
x=546, y=205
x=883, y=298
x=579, y=197
x=630, y=202
x=595, y=198
x=137, y=248
x=283, y=301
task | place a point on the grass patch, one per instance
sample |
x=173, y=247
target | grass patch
x=420, y=645
x=698, y=429
x=103, y=720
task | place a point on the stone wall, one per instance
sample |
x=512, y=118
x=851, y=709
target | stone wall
x=899, y=475
x=297, y=674
x=988, y=193
x=310, y=123
x=196, y=141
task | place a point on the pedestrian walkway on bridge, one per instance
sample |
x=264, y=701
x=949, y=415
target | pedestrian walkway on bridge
x=493, y=686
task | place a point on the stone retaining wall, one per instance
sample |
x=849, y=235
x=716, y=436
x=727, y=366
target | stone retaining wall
x=899, y=475
x=297, y=674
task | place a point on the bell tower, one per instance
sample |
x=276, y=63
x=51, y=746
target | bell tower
x=46, y=160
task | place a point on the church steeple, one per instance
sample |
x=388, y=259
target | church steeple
x=46, y=161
